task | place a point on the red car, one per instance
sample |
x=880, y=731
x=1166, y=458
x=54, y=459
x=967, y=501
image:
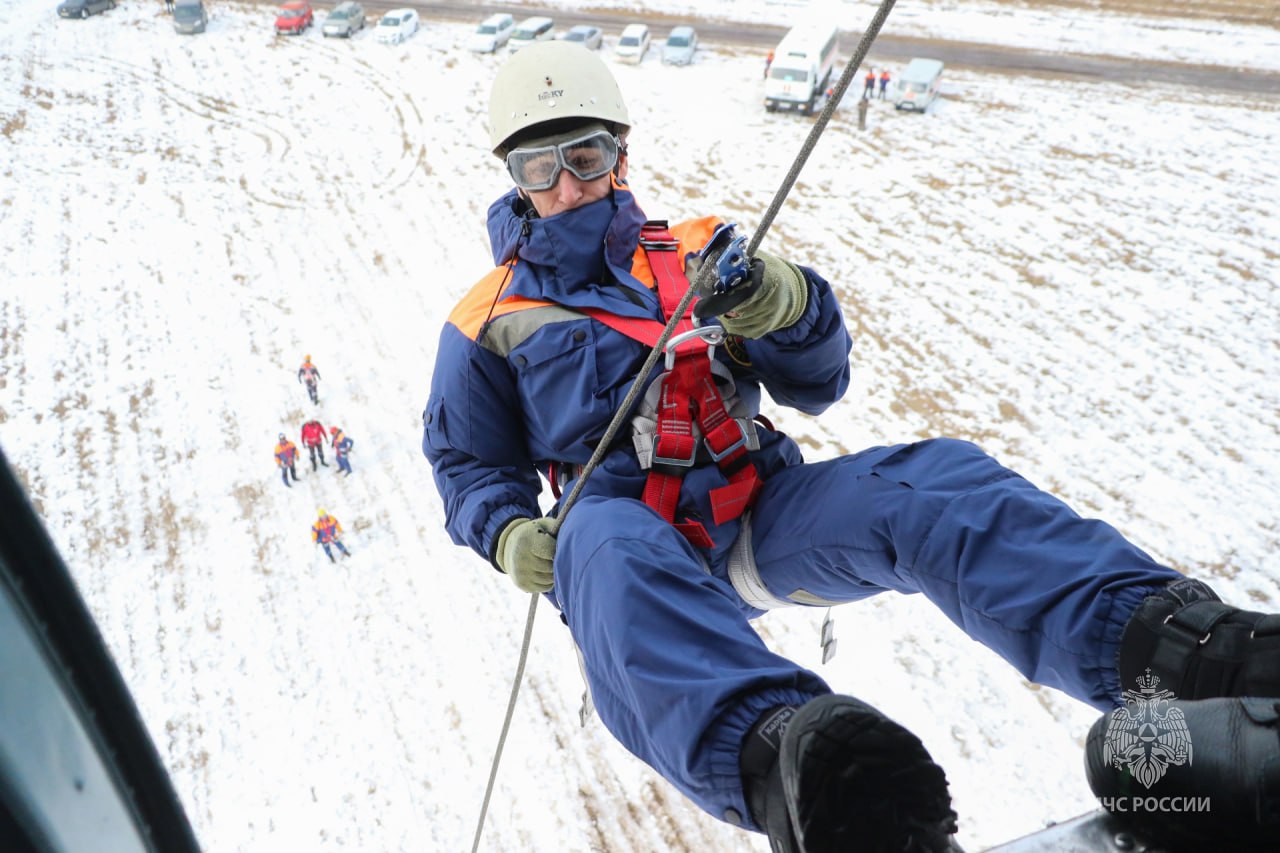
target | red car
x=294, y=17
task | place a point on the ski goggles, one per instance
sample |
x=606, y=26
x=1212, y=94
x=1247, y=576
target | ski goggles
x=587, y=157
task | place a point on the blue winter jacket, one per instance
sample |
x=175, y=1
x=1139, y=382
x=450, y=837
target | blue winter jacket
x=522, y=379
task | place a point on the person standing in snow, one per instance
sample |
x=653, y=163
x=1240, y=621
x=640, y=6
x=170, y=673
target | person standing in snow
x=287, y=459
x=869, y=84
x=309, y=374
x=884, y=82
x=313, y=440
x=341, y=450
x=701, y=519
x=328, y=531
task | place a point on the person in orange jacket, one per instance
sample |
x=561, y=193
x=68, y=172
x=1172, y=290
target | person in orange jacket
x=884, y=82
x=309, y=374
x=869, y=83
x=287, y=459
x=328, y=531
x=341, y=449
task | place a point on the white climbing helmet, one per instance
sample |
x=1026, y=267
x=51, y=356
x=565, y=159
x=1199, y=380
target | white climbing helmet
x=549, y=81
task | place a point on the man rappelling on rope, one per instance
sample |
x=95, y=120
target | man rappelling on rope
x=703, y=517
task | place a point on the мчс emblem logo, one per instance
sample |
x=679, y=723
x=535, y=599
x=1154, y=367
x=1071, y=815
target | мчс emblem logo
x=1147, y=735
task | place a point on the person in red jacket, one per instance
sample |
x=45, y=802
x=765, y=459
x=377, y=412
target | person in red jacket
x=287, y=459
x=313, y=440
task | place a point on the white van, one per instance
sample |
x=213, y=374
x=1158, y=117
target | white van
x=530, y=30
x=493, y=33
x=917, y=85
x=801, y=69
x=632, y=44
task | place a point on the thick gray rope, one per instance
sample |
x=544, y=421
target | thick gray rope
x=624, y=409
x=506, y=723
x=705, y=271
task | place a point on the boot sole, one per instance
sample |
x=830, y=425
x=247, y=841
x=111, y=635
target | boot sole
x=856, y=780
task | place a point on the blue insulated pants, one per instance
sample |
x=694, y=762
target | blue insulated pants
x=677, y=673
x=337, y=544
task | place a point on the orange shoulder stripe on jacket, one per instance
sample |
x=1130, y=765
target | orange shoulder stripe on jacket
x=470, y=314
x=692, y=235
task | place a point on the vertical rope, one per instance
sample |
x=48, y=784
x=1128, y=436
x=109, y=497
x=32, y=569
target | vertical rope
x=705, y=271
x=506, y=723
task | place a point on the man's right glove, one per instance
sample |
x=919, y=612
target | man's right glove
x=780, y=299
x=526, y=550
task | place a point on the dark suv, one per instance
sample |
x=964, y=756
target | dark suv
x=84, y=8
x=189, y=16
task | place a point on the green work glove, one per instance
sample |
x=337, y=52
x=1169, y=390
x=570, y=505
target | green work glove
x=526, y=549
x=778, y=302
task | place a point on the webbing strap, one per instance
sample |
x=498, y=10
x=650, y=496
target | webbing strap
x=688, y=394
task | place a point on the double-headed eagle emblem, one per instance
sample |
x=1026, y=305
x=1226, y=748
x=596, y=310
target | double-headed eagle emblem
x=1147, y=734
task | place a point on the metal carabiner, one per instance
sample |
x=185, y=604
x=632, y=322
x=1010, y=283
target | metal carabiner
x=713, y=335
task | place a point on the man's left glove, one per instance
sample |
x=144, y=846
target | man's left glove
x=526, y=550
x=779, y=300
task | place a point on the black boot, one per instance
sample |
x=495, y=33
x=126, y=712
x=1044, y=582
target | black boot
x=849, y=778
x=762, y=778
x=1200, y=648
x=1199, y=775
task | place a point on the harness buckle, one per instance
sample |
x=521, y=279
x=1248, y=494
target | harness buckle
x=651, y=245
x=655, y=236
x=741, y=441
x=659, y=461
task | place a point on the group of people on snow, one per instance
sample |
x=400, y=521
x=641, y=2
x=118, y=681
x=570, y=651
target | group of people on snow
x=314, y=438
x=326, y=531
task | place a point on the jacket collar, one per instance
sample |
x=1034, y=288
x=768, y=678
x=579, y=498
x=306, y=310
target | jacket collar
x=577, y=258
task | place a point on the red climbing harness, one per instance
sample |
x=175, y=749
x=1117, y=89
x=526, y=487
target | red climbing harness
x=689, y=395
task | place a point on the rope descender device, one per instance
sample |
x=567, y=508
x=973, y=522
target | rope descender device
x=734, y=282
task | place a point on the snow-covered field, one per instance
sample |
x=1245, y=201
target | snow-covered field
x=1082, y=277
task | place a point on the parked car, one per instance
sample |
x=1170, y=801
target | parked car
x=530, y=30
x=190, y=16
x=585, y=35
x=396, y=26
x=493, y=32
x=632, y=44
x=680, y=46
x=344, y=21
x=918, y=85
x=294, y=17
x=84, y=8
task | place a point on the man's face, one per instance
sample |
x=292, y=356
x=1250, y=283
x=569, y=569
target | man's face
x=568, y=193
x=566, y=170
